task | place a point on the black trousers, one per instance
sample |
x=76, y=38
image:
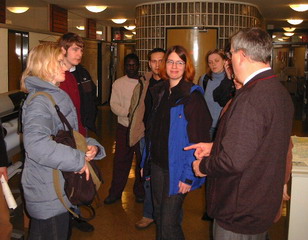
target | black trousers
x=54, y=228
x=167, y=209
x=122, y=163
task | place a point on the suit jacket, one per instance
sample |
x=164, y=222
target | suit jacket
x=246, y=168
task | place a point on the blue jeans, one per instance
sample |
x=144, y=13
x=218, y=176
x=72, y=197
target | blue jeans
x=54, y=228
x=167, y=209
x=148, y=203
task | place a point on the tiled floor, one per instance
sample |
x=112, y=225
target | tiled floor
x=117, y=221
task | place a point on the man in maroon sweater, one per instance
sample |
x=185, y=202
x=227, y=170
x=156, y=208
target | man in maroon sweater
x=72, y=47
x=245, y=166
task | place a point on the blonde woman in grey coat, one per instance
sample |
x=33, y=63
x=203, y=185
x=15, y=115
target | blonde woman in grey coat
x=45, y=70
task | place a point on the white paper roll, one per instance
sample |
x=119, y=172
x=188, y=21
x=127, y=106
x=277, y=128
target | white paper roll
x=8, y=194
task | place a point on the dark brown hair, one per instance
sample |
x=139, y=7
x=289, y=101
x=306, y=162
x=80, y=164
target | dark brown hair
x=68, y=39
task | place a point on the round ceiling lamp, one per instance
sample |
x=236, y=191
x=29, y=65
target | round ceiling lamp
x=96, y=9
x=130, y=27
x=299, y=7
x=81, y=28
x=288, y=34
x=119, y=20
x=289, y=29
x=295, y=21
x=18, y=9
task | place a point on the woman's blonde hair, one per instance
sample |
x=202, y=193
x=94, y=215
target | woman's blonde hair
x=43, y=62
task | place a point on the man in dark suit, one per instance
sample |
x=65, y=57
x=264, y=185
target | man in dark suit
x=245, y=166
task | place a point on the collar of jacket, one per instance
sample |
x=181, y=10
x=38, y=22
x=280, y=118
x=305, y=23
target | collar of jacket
x=180, y=92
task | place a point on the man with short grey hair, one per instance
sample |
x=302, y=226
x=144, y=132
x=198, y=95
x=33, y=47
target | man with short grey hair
x=245, y=166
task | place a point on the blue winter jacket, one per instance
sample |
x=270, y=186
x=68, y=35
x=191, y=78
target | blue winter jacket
x=180, y=161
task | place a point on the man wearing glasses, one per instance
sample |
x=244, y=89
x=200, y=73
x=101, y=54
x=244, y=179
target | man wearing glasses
x=245, y=166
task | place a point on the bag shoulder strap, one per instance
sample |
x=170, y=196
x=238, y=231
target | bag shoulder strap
x=44, y=94
x=60, y=114
x=57, y=186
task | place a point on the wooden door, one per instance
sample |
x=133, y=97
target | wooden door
x=197, y=42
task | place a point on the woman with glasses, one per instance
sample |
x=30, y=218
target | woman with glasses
x=217, y=85
x=45, y=71
x=179, y=118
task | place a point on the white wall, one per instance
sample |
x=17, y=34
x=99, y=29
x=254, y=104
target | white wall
x=3, y=60
x=35, y=38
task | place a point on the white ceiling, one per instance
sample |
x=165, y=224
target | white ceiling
x=275, y=12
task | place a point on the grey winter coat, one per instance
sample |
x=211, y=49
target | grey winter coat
x=40, y=121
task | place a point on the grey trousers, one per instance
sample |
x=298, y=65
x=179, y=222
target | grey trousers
x=220, y=233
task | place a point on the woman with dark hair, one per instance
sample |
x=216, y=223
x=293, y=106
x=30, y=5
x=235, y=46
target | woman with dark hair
x=179, y=117
x=217, y=85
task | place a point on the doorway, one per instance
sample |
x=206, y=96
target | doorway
x=197, y=42
x=18, y=47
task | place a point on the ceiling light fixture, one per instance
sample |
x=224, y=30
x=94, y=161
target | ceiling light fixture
x=99, y=32
x=119, y=20
x=299, y=7
x=81, y=28
x=132, y=27
x=295, y=21
x=273, y=36
x=280, y=39
x=134, y=32
x=96, y=9
x=289, y=29
x=289, y=34
x=18, y=9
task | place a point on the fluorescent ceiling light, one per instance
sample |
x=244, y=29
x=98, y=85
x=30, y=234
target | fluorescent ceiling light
x=18, y=9
x=289, y=29
x=119, y=20
x=99, y=32
x=299, y=7
x=81, y=28
x=130, y=27
x=295, y=21
x=289, y=34
x=129, y=35
x=96, y=9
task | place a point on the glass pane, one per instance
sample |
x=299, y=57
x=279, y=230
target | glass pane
x=172, y=7
x=179, y=20
x=185, y=6
x=191, y=7
x=215, y=7
x=191, y=19
x=179, y=7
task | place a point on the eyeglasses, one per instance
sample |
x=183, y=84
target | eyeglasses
x=177, y=63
